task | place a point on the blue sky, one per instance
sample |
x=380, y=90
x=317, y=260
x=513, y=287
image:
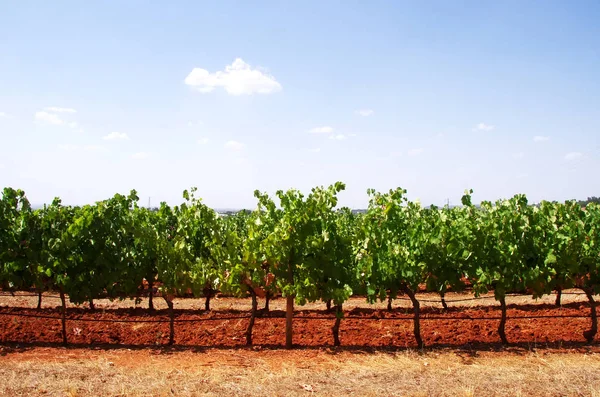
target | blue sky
x=231, y=96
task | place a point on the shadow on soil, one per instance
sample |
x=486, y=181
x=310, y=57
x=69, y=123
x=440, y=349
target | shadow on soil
x=299, y=313
x=470, y=350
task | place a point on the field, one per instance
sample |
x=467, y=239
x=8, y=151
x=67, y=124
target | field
x=325, y=372
x=548, y=356
x=467, y=322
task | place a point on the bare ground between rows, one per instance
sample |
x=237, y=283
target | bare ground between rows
x=471, y=327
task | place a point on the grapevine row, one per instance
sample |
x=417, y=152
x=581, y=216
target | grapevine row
x=303, y=247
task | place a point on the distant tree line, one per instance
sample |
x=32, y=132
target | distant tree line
x=589, y=200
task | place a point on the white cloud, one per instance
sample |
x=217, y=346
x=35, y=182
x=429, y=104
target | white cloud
x=365, y=112
x=483, y=127
x=203, y=141
x=48, y=118
x=60, y=110
x=93, y=148
x=415, y=152
x=3, y=115
x=315, y=150
x=234, y=146
x=572, y=156
x=353, y=135
x=338, y=137
x=540, y=138
x=75, y=126
x=194, y=123
x=68, y=147
x=237, y=79
x=77, y=148
x=518, y=155
x=140, y=155
x=321, y=130
x=521, y=176
x=2, y=166
x=116, y=136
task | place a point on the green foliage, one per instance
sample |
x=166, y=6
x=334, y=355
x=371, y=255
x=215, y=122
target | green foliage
x=510, y=248
x=198, y=246
x=302, y=246
x=18, y=225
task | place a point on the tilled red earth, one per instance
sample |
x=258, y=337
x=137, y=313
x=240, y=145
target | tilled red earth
x=361, y=327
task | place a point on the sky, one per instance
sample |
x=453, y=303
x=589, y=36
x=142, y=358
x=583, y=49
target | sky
x=436, y=97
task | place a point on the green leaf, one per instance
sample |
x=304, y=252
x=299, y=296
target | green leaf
x=550, y=259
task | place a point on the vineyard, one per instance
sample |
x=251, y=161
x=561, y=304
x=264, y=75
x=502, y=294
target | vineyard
x=304, y=249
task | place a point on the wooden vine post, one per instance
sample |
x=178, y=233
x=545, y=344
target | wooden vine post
x=502, y=325
x=252, y=317
x=339, y=314
x=591, y=333
x=169, y=300
x=417, y=315
x=63, y=316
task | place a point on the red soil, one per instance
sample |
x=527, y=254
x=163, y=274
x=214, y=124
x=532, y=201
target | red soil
x=360, y=327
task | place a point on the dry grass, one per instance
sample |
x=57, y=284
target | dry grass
x=279, y=304
x=60, y=372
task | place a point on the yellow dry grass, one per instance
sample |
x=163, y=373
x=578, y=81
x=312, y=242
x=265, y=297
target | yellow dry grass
x=73, y=372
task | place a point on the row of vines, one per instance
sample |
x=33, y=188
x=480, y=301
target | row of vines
x=302, y=247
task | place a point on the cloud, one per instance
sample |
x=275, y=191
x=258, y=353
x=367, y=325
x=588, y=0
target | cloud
x=48, y=118
x=140, y=155
x=338, y=137
x=237, y=79
x=3, y=115
x=77, y=148
x=484, y=127
x=234, y=146
x=68, y=147
x=194, y=124
x=315, y=150
x=518, y=155
x=365, y=112
x=75, y=126
x=321, y=130
x=93, y=148
x=203, y=141
x=521, y=176
x=572, y=156
x=116, y=136
x=539, y=138
x=44, y=117
x=60, y=110
x=415, y=152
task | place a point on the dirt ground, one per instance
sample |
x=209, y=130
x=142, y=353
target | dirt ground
x=461, y=300
x=547, y=357
x=467, y=322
